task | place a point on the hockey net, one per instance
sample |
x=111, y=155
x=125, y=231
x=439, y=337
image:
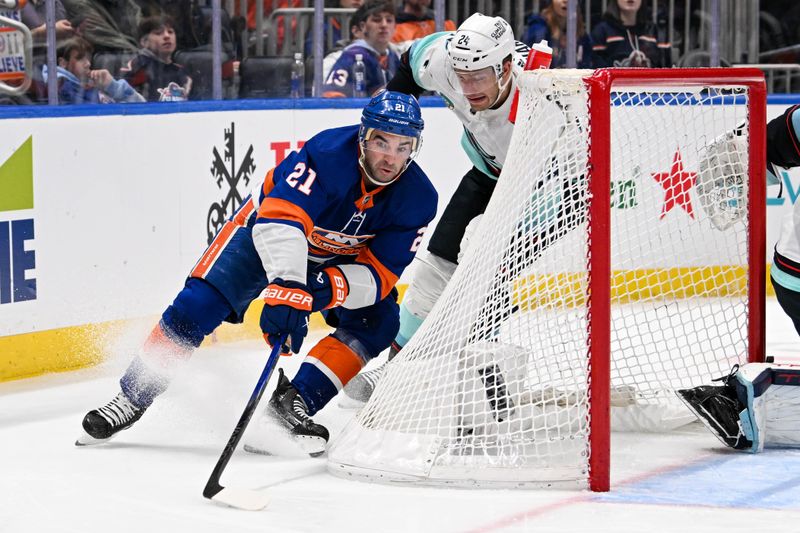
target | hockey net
x=620, y=258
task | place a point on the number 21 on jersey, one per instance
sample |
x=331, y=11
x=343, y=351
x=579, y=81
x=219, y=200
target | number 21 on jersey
x=299, y=170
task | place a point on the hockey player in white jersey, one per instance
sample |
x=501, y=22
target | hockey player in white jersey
x=758, y=404
x=475, y=70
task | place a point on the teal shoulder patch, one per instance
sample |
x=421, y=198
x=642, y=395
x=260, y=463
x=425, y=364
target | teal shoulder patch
x=417, y=53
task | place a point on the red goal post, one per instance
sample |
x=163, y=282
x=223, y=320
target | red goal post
x=601, y=83
x=572, y=314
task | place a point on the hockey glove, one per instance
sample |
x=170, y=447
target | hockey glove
x=721, y=182
x=329, y=288
x=287, y=305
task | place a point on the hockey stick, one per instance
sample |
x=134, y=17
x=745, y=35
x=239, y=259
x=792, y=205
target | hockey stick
x=247, y=499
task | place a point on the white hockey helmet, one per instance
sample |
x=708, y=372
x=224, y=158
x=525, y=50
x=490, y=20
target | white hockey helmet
x=481, y=42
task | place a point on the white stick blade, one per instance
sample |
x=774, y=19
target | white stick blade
x=248, y=500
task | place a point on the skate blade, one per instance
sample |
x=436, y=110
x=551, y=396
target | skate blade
x=297, y=446
x=258, y=451
x=87, y=440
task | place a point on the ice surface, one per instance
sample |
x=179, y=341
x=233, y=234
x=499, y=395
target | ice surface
x=151, y=477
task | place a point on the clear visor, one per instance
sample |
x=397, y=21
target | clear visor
x=399, y=146
x=482, y=81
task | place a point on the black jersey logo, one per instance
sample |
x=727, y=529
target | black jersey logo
x=228, y=176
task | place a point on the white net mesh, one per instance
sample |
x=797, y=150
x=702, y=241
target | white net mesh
x=494, y=388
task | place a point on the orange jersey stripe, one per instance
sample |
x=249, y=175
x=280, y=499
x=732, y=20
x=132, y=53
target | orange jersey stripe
x=387, y=277
x=285, y=210
x=244, y=212
x=268, y=183
x=340, y=360
x=214, y=249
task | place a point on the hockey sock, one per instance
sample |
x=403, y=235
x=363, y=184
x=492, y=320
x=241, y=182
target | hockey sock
x=197, y=310
x=409, y=324
x=326, y=369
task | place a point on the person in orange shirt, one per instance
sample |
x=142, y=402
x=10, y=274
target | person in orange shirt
x=416, y=20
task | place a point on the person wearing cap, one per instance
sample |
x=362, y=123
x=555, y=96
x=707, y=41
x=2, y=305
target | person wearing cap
x=377, y=24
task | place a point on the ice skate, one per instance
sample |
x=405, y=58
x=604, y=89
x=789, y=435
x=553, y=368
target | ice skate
x=101, y=424
x=288, y=409
x=359, y=389
x=718, y=409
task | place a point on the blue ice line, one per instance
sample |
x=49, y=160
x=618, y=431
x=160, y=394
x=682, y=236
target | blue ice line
x=761, y=495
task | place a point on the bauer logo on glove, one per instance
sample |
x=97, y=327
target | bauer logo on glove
x=287, y=305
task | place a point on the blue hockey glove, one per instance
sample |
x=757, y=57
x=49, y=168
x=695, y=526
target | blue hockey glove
x=328, y=287
x=287, y=305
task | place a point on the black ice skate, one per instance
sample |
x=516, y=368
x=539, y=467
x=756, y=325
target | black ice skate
x=101, y=424
x=288, y=409
x=718, y=409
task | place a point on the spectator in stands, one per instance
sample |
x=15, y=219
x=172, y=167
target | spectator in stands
x=184, y=14
x=377, y=25
x=79, y=84
x=333, y=29
x=414, y=21
x=192, y=22
x=551, y=25
x=340, y=45
x=153, y=72
x=626, y=37
x=109, y=25
x=33, y=13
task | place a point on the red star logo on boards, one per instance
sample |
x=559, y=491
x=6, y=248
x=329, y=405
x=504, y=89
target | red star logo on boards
x=677, y=183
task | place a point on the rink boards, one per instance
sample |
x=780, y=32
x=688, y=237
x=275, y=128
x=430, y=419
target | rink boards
x=103, y=211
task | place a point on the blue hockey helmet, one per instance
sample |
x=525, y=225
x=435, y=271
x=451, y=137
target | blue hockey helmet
x=396, y=113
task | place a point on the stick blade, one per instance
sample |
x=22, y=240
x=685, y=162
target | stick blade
x=245, y=499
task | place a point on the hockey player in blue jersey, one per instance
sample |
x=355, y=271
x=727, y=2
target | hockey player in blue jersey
x=330, y=229
x=475, y=70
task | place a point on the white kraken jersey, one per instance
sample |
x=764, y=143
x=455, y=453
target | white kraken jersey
x=487, y=134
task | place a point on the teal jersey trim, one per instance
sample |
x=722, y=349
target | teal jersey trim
x=783, y=279
x=746, y=417
x=409, y=324
x=772, y=179
x=475, y=156
x=417, y=52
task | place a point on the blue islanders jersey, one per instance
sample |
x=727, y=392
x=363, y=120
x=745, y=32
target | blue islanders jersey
x=319, y=193
x=379, y=69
